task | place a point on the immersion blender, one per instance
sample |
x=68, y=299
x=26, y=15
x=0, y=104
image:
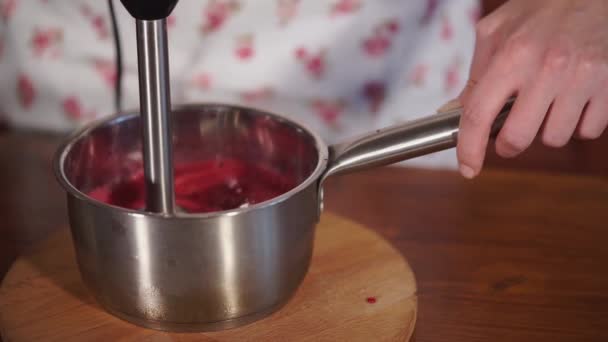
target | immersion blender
x=155, y=100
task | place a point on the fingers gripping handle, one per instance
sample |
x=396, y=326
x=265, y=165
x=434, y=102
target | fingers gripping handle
x=400, y=142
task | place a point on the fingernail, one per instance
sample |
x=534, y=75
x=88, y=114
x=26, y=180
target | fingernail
x=467, y=171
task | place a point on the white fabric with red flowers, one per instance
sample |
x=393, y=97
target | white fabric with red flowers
x=342, y=67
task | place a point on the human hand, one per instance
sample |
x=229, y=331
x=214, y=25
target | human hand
x=552, y=54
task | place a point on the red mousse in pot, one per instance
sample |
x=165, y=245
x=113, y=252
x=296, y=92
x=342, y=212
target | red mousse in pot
x=203, y=187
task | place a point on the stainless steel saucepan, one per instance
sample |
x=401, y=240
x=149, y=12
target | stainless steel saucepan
x=195, y=272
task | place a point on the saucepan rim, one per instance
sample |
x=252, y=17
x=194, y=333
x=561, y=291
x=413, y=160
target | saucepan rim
x=67, y=145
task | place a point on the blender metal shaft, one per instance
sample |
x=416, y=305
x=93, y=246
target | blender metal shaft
x=155, y=104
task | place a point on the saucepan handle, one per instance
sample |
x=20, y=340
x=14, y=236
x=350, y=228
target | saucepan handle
x=405, y=141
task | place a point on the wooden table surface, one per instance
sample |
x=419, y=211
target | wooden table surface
x=514, y=255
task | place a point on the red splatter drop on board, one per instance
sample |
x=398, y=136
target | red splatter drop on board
x=343, y=7
x=25, y=91
x=371, y=300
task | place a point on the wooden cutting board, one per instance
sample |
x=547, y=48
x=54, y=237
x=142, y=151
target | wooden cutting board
x=358, y=288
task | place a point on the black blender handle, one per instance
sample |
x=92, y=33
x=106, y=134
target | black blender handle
x=149, y=9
